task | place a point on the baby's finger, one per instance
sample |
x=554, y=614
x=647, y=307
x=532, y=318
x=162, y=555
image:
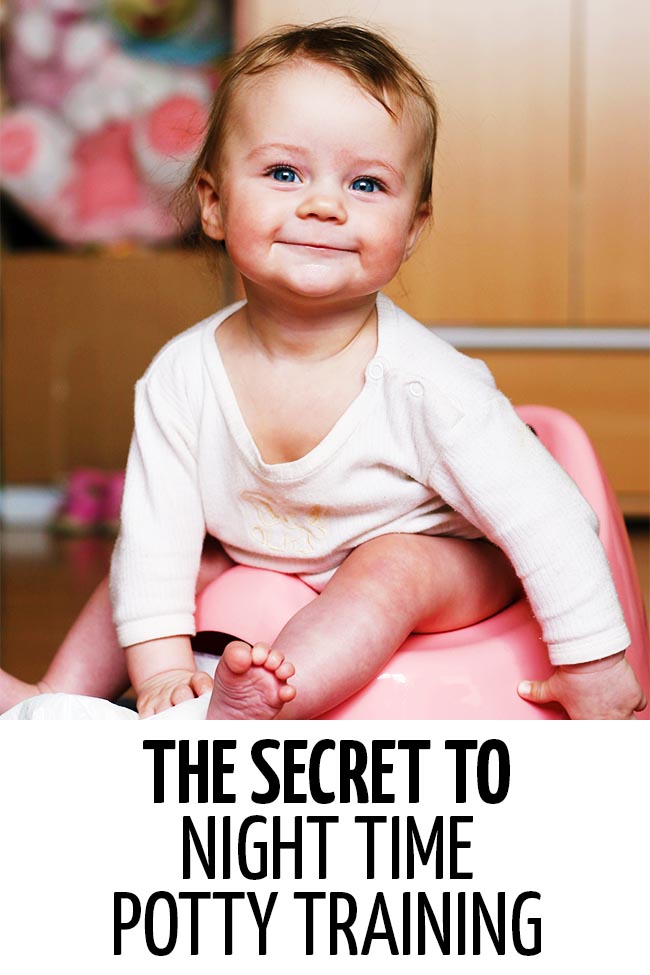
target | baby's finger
x=536, y=691
x=201, y=683
x=179, y=694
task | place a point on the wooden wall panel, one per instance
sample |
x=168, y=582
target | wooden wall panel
x=615, y=226
x=78, y=330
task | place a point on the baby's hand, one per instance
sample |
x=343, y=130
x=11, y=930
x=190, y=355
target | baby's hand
x=163, y=691
x=598, y=689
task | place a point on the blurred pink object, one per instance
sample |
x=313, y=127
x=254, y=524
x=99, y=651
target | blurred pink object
x=83, y=503
x=468, y=673
x=97, y=142
x=91, y=503
x=49, y=49
x=107, y=186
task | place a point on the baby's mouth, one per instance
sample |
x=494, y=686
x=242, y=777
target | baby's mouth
x=324, y=248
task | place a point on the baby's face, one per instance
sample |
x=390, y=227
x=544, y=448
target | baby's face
x=318, y=189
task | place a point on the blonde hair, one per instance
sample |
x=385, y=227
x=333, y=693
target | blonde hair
x=366, y=56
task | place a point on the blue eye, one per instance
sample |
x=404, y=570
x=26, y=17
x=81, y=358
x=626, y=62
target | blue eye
x=366, y=184
x=283, y=174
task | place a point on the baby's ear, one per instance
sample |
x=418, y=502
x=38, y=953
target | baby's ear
x=420, y=220
x=210, y=206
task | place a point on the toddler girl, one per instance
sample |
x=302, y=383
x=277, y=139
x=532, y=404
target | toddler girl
x=316, y=429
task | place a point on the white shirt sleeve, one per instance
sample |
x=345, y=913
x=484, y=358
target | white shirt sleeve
x=496, y=472
x=156, y=559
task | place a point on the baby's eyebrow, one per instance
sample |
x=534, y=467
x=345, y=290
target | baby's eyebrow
x=274, y=147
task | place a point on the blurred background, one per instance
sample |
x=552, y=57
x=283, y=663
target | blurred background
x=537, y=259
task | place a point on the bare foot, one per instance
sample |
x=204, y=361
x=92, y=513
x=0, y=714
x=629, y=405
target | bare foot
x=13, y=691
x=250, y=683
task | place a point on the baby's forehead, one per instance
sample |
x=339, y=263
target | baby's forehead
x=301, y=70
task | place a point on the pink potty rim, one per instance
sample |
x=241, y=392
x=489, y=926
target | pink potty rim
x=251, y=604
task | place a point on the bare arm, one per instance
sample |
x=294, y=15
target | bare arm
x=163, y=673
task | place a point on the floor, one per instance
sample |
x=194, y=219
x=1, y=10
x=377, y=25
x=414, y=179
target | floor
x=47, y=579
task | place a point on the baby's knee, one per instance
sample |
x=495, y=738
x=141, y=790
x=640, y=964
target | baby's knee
x=401, y=553
x=391, y=564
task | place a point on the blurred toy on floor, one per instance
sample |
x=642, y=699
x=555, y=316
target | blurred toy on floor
x=91, y=503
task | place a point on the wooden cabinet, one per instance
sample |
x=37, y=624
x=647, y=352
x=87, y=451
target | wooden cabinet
x=78, y=331
x=612, y=237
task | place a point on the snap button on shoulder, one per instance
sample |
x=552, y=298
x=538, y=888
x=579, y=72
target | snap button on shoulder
x=416, y=389
x=375, y=369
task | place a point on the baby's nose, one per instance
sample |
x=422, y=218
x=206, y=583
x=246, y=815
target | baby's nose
x=323, y=206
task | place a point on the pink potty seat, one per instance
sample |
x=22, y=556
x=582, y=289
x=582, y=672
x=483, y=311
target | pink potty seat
x=468, y=673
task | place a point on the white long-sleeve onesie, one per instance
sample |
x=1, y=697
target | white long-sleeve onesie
x=428, y=446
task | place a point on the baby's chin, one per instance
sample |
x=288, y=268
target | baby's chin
x=320, y=281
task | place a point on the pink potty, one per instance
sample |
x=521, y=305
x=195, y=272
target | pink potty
x=467, y=673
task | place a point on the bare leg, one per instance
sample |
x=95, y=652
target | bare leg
x=90, y=660
x=385, y=589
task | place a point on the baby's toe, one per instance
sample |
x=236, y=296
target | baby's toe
x=286, y=693
x=237, y=657
x=260, y=653
x=274, y=660
x=285, y=670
